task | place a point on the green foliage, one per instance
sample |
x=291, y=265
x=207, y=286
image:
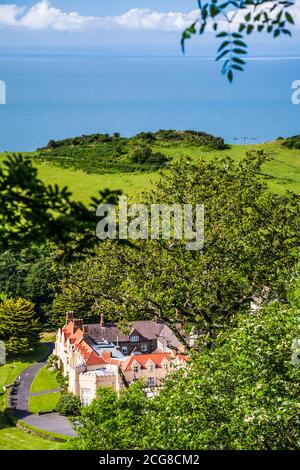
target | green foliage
x=19, y=326
x=251, y=239
x=248, y=16
x=109, y=154
x=145, y=155
x=242, y=394
x=110, y=422
x=32, y=274
x=69, y=405
x=32, y=212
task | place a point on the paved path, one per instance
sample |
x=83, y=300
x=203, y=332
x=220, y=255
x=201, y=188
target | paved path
x=52, y=422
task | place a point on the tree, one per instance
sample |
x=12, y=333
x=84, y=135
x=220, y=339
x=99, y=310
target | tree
x=112, y=422
x=251, y=240
x=244, y=394
x=32, y=274
x=233, y=20
x=19, y=326
x=69, y=405
x=32, y=212
x=145, y=155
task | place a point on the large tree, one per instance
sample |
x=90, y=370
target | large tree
x=19, y=326
x=251, y=240
x=36, y=213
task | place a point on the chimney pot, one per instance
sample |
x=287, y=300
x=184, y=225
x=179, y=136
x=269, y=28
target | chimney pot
x=69, y=315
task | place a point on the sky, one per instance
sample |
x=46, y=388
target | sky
x=120, y=24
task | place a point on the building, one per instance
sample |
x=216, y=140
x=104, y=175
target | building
x=100, y=355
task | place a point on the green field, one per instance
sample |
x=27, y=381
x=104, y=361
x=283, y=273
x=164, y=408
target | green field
x=281, y=173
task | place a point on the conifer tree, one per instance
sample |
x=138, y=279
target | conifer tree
x=19, y=326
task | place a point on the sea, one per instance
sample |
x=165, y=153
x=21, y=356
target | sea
x=54, y=95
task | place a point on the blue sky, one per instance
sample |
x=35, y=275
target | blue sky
x=122, y=24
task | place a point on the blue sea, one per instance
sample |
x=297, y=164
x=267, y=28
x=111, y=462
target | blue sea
x=58, y=95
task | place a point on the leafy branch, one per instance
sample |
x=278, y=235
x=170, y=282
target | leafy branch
x=233, y=20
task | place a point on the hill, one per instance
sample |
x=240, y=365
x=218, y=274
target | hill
x=89, y=163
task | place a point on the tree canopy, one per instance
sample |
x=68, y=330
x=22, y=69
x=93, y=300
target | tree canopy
x=251, y=241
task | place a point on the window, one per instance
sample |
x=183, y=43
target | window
x=136, y=368
x=124, y=350
x=86, y=396
x=150, y=367
x=144, y=347
x=134, y=338
x=166, y=366
x=151, y=381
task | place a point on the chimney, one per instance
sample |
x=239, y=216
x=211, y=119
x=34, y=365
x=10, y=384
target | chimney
x=78, y=323
x=102, y=320
x=85, y=332
x=69, y=316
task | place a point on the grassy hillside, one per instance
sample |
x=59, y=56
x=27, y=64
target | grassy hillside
x=85, y=178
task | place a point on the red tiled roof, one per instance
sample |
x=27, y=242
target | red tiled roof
x=89, y=355
x=142, y=359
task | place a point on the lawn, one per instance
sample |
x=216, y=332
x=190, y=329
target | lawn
x=12, y=369
x=43, y=403
x=44, y=380
x=12, y=438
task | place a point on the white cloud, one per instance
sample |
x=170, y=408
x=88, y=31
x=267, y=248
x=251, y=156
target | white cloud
x=43, y=16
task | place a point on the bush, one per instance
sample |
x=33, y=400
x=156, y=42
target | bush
x=144, y=155
x=69, y=405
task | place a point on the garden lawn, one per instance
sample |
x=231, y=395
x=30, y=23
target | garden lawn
x=44, y=380
x=43, y=403
x=12, y=369
x=15, y=439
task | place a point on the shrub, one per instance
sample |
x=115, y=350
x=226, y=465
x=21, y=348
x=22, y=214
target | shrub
x=69, y=405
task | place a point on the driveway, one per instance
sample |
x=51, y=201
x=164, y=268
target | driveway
x=52, y=422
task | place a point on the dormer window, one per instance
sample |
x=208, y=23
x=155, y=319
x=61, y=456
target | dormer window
x=150, y=367
x=134, y=338
x=136, y=368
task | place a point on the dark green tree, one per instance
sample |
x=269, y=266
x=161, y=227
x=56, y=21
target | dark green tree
x=35, y=213
x=19, y=326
